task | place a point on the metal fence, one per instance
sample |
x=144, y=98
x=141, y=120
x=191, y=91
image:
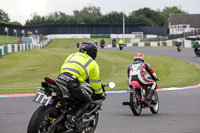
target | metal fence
x=80, y=29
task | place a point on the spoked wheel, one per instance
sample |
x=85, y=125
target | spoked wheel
x=91, y=126
x=135, y=104
x=42, y=119
x=155, y=108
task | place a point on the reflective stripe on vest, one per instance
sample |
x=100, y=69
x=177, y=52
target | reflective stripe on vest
x=95, y=81
x=98, y=89
x=73, y=70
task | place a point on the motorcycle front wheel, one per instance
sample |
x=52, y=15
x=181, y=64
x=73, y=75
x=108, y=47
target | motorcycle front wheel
x=135, y=104
x=42, y=119
x=155, y=108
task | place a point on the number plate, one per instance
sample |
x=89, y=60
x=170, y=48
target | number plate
x=42, y=98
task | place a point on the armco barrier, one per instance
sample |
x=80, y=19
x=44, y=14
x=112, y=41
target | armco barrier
x=21, y=47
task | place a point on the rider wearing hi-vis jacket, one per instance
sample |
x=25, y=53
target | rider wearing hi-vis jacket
x=79, y=68
x=136, y=71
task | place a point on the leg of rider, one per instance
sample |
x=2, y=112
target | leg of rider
x=77, y=92
x=151, y=91
x=82, y=109
x=146, y=81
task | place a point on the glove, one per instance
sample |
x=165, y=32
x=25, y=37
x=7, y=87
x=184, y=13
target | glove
x=101, y=96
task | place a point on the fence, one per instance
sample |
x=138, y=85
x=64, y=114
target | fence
x=81, y=29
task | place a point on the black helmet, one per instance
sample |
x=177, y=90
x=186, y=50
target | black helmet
x=90, y=47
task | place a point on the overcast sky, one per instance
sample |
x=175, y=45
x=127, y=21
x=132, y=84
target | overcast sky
x=21, y=10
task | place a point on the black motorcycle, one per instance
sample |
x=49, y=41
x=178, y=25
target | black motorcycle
x=197, y=51
x=121, y=46
x=102, y=45
x=55, y=113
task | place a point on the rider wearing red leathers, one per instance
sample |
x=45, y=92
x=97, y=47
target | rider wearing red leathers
x=136, y=71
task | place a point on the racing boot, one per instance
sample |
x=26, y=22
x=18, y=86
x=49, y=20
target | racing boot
x=126, y=103
x=149, y=96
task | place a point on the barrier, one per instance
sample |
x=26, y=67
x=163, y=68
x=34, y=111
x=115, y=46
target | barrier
x=21, y=47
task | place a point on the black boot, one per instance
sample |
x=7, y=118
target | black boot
x=149, y=96
x=125, y=103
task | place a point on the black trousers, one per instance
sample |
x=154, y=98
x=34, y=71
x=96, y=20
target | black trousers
x=74, y=87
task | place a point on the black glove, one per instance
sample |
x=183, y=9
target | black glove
x=101, y=96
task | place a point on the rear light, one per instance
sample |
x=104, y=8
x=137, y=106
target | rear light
x=49, y=80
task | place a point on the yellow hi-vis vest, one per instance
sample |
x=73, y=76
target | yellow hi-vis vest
x=121, y=41
x=84, y=68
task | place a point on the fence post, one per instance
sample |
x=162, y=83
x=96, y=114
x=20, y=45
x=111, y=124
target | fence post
x=13, y=48
x=0, y=53
x=5, y=49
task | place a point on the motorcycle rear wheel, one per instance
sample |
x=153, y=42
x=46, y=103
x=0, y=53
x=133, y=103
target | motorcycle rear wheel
x=90, y=127
x=135, y=104
x=43, y=117
x=155, y=108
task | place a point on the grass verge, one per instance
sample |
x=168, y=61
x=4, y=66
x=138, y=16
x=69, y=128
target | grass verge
x=22, y=72
x=11, y=39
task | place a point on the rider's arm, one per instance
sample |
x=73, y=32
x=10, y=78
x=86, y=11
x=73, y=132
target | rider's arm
x=94, y=78
x=151, y=72
x=128, y=71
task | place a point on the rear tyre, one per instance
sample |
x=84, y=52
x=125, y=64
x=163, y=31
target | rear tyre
x=135, y=104
x=155, y=108
x=90, y=127
x=43, y=117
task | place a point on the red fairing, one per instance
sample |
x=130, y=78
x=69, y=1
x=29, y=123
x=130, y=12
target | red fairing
x=135, y=84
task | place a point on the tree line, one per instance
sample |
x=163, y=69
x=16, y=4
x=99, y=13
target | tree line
x=93, y=15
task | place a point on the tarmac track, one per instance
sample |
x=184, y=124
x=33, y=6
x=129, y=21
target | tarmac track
x=179, y=110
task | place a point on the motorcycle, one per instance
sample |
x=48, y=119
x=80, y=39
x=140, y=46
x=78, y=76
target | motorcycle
x=53, y=116
x=197, y=51
x=179, y=48
x=102, y=45
x=121, y=46
x=138, y=99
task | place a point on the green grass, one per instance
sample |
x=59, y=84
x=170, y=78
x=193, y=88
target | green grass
x=11, y=40
x=22, y=72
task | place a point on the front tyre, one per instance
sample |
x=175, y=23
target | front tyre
x=43, y=117
x=135, y=104
x=155, y=108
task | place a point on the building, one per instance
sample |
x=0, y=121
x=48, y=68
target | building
x=182, y=23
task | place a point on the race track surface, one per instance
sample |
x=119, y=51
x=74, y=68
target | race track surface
x=179, y=109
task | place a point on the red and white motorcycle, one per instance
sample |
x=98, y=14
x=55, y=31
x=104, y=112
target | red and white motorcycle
x=138, y=101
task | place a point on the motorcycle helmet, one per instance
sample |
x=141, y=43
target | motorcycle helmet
x=89, y=48
x=139, y=57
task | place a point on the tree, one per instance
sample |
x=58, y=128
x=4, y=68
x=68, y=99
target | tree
x=139, y=20
x=170, y=10
x=4, y=16
x=112, y=18
x=155, y=17
x=88, y=15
